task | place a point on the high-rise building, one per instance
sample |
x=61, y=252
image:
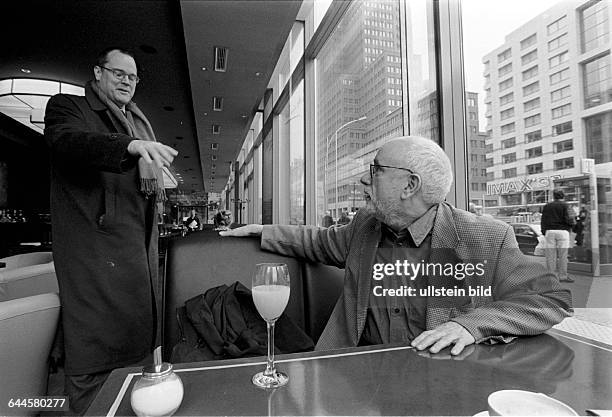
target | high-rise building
x=548, y=106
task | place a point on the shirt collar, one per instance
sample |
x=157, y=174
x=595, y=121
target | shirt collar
x=418, y=230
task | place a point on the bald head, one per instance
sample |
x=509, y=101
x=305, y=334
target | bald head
x=424, y=157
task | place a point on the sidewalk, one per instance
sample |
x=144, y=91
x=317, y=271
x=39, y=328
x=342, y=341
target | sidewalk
x=592, y=300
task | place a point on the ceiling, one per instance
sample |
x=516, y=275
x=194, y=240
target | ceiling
x=174, y=47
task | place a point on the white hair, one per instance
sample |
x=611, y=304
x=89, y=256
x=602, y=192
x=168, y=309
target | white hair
x=427, y=159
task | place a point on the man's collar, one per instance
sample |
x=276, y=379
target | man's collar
x=419, y=229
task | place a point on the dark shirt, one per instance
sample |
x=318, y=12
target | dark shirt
x=392, y=319
x=555, y=216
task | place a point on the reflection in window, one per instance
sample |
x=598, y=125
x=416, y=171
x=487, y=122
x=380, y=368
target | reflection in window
x=598, y=131
x=509, y=173
x=565, y=163
x=359, y=96
x=561, y=128
x=533, y=136
x=533, y=152
x=565, y=145
x=535, y=168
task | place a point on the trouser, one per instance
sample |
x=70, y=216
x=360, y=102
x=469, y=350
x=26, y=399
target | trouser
x=557, y=244
x=82, y=389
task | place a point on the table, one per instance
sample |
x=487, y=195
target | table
x=388, y=380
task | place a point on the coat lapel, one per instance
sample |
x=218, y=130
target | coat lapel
x=370, y=237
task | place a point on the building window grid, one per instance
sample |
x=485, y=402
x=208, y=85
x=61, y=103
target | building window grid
x=558, y=59
x=559, y=76
x=597, y=82
x=508, y=98
x=530, y=73
x=506, y=84
x=533, y=152
x=594, y=27
x=508, y=143
x=563, y=146
x=507, y=128
x=564, y=163
x=504, y=55
x=529, y=57
x=557, y=25
x=535, y=168
x=509, y=173
x=506, y=69
x=506, y=114
x=532, y=120
x=534, y=136
x=528, y=41
x=509, y=157
x=562, y=128
x=531, y=104
x=561, y=111
x=560, y=93
x=531, y=88
x=557, y=42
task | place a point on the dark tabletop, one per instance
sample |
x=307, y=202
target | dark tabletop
x=388, y=380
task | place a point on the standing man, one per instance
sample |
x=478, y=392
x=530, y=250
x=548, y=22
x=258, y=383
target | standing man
x=106, y=181
x=556, y=224
x=407, y=222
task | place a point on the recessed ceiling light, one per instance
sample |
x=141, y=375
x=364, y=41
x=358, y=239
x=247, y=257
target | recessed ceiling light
x=244, y=116
x=204, y=68
x=26, y=70
x=258, y=74
x=205, y=114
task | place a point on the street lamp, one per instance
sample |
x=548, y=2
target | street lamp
x=336, y=164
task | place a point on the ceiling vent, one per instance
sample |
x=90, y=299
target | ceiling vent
x=213, y=166
x=220, y=59
x=216, y=129
x=217, y=103
x=214, y=146
x=213, y=157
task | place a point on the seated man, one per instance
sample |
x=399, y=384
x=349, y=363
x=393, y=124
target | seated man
x=472, y=284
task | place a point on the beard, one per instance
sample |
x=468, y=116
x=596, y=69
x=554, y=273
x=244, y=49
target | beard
x=386, y=211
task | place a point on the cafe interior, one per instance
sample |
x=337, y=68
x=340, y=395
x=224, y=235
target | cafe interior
x=207, y=71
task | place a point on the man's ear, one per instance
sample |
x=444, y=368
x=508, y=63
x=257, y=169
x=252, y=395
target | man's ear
x=412, y=186
x=97, y=72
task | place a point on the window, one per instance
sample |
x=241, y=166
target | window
x=557, y=43
x=535, y=168
x=530, y=73
x=506, y=84
x=561, y=111
x=531, y=88
x=507, y=128
x=562, y=128
x=508, y=143
x=597, y=82
x=509, y=157
x=508, y=98
x=559, y=76
x=557, y=25
x=594, y=27
x=471, y=102
x=558, y=59
x=528, y=41
x=564, y=145
x=509, y=173
x=530, y=57
x=531, y=104
x=504, y=70
x=560, y=93
x=502, y=56
x=598, y=131
x=532, y=120
x=534, y=136
x=533, y=152
x=565, y=163
x=506, y=114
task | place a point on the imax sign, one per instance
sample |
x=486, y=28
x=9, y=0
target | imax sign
x=520, y=185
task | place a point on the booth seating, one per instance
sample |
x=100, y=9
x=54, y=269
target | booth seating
x=27, y=330
x=27, y=274
x=204, y=260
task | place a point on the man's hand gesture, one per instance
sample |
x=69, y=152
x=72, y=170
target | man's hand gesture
x=248, y=230
x=157, y=152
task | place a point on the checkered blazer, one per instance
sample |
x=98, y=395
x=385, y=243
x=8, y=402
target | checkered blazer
x=526, y=298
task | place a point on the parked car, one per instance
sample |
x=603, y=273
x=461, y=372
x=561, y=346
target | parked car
x=528, y=236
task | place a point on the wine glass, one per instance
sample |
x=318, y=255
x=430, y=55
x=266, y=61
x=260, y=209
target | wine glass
x=270, y=287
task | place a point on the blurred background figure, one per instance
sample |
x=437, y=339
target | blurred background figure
x=344, y=218
x=223, y=220
x=328, y=220
x=579, y=226
x=193, y=222
x=557, y=222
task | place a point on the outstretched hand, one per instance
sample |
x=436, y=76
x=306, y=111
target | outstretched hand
x=449, y=333
x=248, y=230
x=157, y=152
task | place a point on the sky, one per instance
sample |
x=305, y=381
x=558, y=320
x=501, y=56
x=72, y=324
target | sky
x=485, y=25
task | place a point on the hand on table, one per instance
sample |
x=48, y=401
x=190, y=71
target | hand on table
x=152, y=152
x=449, y=333
x=248, y=230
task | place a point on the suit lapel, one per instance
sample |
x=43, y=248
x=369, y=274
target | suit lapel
x=370, y=237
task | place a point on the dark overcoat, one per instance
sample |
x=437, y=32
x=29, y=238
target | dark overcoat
x=104, y=237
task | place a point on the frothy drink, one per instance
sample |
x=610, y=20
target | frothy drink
x=526, y=403
x=270, y=300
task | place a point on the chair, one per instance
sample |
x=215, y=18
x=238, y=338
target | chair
x=27, y=329
x=26, y=275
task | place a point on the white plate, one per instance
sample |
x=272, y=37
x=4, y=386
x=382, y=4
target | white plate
x=484, y=413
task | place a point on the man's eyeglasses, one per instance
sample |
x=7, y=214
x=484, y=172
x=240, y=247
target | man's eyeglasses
x=374, y=168
x=120, y=75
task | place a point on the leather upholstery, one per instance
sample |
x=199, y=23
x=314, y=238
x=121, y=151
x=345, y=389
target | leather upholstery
x=27, y=329
x=204, y=260
x=26, y=275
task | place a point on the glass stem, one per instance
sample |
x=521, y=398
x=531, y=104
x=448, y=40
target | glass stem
x=270, y=366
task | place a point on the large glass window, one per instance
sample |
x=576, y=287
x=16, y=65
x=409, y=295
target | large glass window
x=359, y=103
x=594, y=26
x=598, y=131
x=597, y=82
